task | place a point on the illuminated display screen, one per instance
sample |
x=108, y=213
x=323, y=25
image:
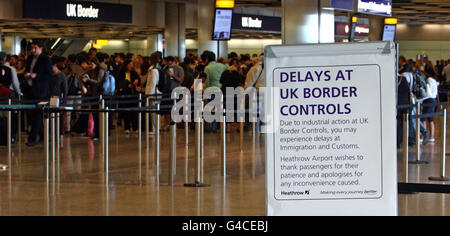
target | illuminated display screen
x=222, y=24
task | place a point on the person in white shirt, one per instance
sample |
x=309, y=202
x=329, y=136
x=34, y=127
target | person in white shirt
x=15, y=85
x=432, y=94
x=256, y=78
x=151, y=87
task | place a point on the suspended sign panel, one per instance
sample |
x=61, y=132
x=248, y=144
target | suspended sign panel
x=389, y=32
x=77, y=11
x=331, y=142
x=375, y=7
x=256, y=23
x=223, y=19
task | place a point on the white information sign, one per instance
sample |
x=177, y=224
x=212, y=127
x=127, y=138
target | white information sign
x=333, y=116
x=222, y=24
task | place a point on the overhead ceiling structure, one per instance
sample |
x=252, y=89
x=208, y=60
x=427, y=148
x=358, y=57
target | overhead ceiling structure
x=422, y=11
x=408, y=11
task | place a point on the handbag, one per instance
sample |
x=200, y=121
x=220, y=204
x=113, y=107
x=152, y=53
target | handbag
x=91, y=125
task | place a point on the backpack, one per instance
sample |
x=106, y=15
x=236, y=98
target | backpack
x=166, y=84
x=420, y=85
x=74, y=87
x=109, y=84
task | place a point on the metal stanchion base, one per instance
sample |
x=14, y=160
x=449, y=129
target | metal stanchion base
x=419, y=162
x=197, y=185
x=3, y=167
x=440, y=179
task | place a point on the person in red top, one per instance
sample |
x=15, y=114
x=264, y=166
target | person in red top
x=4, y=93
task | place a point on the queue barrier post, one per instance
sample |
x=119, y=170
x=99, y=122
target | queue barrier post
x=58, y=144
x=174, y=144
x=198, y=147
x=157, y=141
x=173, y=152
x=140, y=121
x=187, y=119
x=242, y=124
x=19, y=126
x=254, y=129
x=147, y=123
x=186, y=131
x=241, y=134
x=443, y=177
x=418, y=112
x=106, y=135
x=199, y=125
x=202, y=133
x=9, y=135
x=198, y=152
x=223, y=144
x=223, y=138
x=102, y=126
x=58, y=134
x=418, y=160
x=53, y=140
x=405, y=148
x=47, y=144
x=61, y=132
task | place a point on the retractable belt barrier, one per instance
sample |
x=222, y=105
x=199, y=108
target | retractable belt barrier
x=52, y=117
x=406, y=187
x=423, y=105
x=52, y=113
x=53, y=139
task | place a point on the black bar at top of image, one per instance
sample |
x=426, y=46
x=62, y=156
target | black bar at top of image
x=56, y=10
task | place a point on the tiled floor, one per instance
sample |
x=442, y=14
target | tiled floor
x=78, y=187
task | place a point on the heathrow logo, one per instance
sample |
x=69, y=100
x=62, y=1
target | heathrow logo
x=296, y=193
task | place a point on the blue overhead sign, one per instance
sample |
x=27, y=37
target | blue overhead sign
x=346, y=5
x=69, y=10
x=256, y=23
x=375, y=7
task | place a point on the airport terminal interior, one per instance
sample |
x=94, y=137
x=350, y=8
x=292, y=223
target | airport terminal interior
x=134, y=160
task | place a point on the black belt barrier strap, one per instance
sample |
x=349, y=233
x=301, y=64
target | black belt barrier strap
x=423, y=188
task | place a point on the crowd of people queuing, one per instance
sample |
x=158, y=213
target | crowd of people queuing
x=421, y=82
x=38, y=76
